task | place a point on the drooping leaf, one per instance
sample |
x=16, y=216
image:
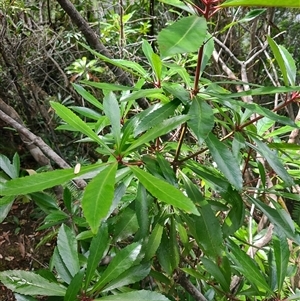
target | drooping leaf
x=98, y=196
x=282, y=255
x=119, y=264
x=107, y=86
x=132, y=275
x=98, y=245
x=164, y=254
x=165, y=127
x=29, y=283
x=273, y=3
x=77, y=123
x=226, y=162
x=6, y=206
x=248, y=268
x=201, y=118
x=44, y=180
x=67, y=248
x=164, y=191
x=274, y=161
x=183, y=36
x=153, y=59
x=112, y=111
x=135, y=296
x=74, y=286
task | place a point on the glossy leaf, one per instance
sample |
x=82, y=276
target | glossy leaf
x=273, y=3
x=74, y=287
x=112, y=111
x=119, y=264
x=67, y=248
x=201, y=118
x=135, y=296
x=208, y=231
x=77, y=123
x=98, y=196
x=132, y=275
x=248, y=267
x=165, y=127
x=98, y=245
x=142, y=211
x=29, y=283
x=183, y=36
x=235, y=218
x=282, y=255
x=226, y=162
x=153, y=59
x=164, y=191
x=44, y=180
x=107, y=86
x=60, y=267
x=155, y=117
x=274, y=161
x=153, y=242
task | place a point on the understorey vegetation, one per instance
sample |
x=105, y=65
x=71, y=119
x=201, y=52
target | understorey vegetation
x=164, y=147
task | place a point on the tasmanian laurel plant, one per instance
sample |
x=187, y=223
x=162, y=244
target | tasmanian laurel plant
x=188, y=198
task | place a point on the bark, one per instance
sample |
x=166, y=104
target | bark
x=94, y=42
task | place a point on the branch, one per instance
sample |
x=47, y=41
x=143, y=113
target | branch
x=190, y=288
x=47, y=150
x=94, y=41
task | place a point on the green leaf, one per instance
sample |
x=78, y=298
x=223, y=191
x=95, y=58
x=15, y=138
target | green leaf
x=86, y=112
x=112, y=111
x=183, y=36
x=179, y=4
x=10, y=169
x=274, y=161
x=273, y=3
x=165, y=127
x=106, y=86
x=44, y=180
x=201, y=118
x=225, y=160
x=282, y=255
x=164, y=191
x=119, y=264
x=153, y=242
x=60, y=267
x=98, y=245
x=73, y=120
x=166, y=169
x=142, y=211
x=247, y=267
x=278, y=56
x=135, y=296
x=252, y=14
x=217, y=273
x=279, y=217
x=208, y=231
x=153, y=59
x=235, y=218
x=67, y=249
x=24, y=298
x=132, y=275
x=154, y=93
x=98, y=196
x=88, y=96
x=29, y=283
x=74, y=287
x=173, y=245
x=164, y=254
x=155, y=117
x=126, y=225
x=5, y=208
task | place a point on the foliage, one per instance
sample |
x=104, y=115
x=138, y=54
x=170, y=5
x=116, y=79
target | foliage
x=169, y=200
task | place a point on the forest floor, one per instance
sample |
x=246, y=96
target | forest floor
x=18, y=243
